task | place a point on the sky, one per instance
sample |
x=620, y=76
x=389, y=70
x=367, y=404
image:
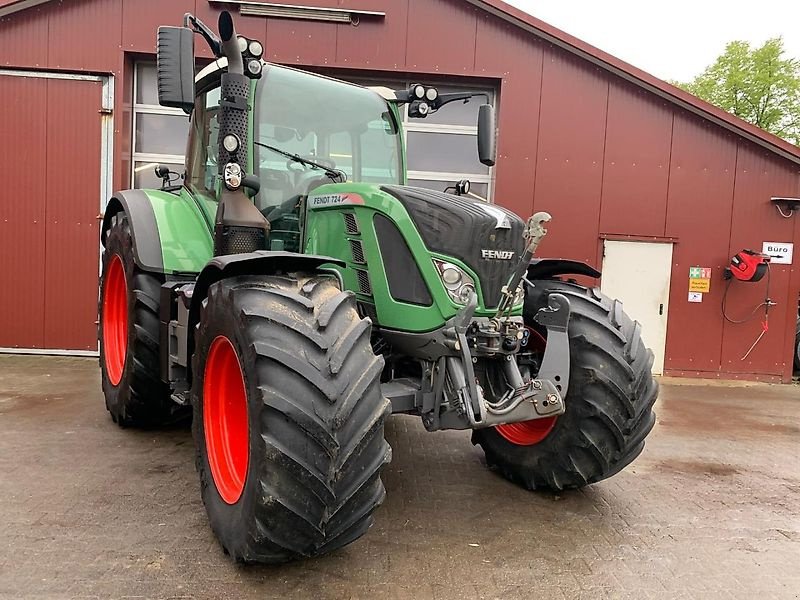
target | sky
x=676, y=39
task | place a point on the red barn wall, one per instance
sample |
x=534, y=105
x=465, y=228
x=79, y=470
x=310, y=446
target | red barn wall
x=604, y=156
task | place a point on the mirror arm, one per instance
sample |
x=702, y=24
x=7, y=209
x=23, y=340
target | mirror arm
x=455, y=96
x=404, y=97
x=199, y=27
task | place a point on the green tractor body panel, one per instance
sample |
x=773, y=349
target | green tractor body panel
x=184, y=230
x=327, y=234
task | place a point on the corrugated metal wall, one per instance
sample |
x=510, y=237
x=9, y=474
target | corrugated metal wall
x=50, y=169
x=605, y=157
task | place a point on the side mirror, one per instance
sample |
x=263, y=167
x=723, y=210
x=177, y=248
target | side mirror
x=176, y=67
x=487, y=145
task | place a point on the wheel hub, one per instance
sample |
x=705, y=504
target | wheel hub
x=115, y=319
x=225, y=420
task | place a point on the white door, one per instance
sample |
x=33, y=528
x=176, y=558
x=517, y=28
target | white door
x=638, y=274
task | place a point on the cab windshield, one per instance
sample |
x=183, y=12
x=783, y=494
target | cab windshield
x=340, y=126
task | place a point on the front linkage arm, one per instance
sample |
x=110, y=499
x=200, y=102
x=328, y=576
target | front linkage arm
x=450, y=396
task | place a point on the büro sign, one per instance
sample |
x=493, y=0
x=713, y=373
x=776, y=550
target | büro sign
x=781, y=252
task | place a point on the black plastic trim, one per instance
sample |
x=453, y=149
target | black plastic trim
x=547, y=268
x=144, y=228
x=167, y=311
x=262, y=262
x=406, y=283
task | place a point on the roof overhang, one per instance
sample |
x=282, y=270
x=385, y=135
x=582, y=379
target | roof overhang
x=636, y=76
x=12, y=6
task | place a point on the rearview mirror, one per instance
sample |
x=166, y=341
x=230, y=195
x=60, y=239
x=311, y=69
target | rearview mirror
x=487, y=151
x=284, y=134
x=176, y=67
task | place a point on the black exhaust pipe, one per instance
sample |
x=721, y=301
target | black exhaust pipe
x=230, y=44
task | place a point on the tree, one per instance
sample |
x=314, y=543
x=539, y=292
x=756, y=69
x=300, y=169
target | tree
x=760, y=85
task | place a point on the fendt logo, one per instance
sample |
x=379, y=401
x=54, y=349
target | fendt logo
x=497, y=254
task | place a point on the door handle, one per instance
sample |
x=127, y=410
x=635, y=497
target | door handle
x=660, y=309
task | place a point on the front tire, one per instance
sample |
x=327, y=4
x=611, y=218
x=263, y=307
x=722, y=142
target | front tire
x=288, y=417
x=608, y=404
x=129, y=333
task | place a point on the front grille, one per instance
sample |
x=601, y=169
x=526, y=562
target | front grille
x=405, y=280
x=357, y=249
x=239, y=240
x=364, y=285
x=350, y=223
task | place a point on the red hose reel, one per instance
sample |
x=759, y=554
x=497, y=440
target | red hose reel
x=748, y=265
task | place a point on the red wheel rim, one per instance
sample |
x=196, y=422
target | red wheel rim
x=529, y=433
x=115, y=319
x=225, y=420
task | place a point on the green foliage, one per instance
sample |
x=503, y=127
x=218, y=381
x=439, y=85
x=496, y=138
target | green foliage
x=760, y=85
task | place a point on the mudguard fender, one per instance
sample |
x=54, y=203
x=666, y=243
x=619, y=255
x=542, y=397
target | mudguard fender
x=547, y=268
x=170, y=232
x=144, y=228
x=262, y=262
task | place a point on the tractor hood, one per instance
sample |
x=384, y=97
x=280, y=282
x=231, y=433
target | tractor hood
x=484, y=236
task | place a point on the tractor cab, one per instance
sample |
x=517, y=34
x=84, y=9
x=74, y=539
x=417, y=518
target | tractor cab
x=286, y=132
x=307, y=131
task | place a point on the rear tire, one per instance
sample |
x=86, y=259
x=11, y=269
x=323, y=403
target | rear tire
x=608, y=404
x=128, y=333
x=309, y=387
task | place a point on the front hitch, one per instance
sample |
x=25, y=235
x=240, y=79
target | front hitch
x=526, y=399
x=542, y=396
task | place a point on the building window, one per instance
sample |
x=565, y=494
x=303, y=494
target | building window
x=159, y=133
x=441, y=149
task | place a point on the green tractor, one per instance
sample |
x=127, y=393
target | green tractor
x=293, y=292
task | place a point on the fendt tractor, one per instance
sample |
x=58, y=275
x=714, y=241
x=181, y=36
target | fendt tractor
x=290, y=292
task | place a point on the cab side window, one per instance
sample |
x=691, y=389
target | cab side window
x=202, y=172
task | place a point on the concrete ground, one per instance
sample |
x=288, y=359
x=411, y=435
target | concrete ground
x=710, y=510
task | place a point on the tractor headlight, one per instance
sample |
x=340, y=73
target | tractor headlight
x=254, y=66
x=232, y=176
x=451, y=275
x=231, y=143
x=256, y=49
x=460, y=286
x=465, y=292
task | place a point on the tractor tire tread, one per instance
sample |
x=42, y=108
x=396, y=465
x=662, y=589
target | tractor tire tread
x=141, y=399
x=321, y=427
x=609, y=403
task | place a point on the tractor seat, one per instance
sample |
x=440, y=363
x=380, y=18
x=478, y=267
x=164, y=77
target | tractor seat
x=317, y=182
